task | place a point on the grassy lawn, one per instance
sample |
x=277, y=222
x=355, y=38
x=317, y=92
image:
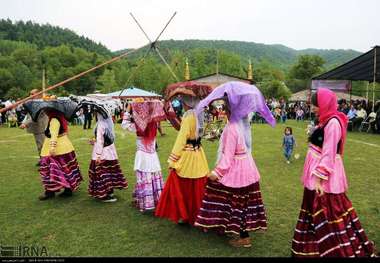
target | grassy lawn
x=81, y=226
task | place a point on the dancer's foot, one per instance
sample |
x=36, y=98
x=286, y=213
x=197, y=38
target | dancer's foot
x=66, y=193
x=46, y=196
x=241, y=242
x=109, y=199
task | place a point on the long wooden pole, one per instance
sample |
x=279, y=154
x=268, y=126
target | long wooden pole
x=14, y=105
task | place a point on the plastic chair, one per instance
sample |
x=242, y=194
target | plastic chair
x=366, y=124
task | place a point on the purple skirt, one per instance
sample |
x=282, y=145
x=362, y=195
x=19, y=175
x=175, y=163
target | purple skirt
x=148, y=189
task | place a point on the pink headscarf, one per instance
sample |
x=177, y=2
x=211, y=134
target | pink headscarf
x=328, y=109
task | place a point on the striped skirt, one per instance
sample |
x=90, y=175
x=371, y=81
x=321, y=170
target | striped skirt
x=148, y=189
x=181, y=198
x=329, y=227
x=60, y=171
x=232, y=210
x=105, y=177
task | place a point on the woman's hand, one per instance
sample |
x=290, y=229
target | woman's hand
x=52, y=151
x=318, y=186
x=212, y=176
x=98, y=160
x=92, y=141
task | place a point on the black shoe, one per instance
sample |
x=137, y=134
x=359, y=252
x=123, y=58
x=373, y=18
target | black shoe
x=182, y=223
x=46, y=196
x=109, y=199
x=66, y=193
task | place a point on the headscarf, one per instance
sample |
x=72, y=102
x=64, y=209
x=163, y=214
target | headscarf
x=57, y=115
x=192, y=103
x=149, y=134
x=328, y=109
x=242, y=99
x=108, y=125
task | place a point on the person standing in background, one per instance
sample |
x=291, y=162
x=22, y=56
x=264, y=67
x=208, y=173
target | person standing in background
x=36, y=128
x=87, y=111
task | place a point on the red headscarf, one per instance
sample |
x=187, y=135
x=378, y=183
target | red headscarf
x=328, y=109
x=149, y=134
x=58, y=115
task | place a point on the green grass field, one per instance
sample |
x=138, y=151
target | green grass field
x=81, y=226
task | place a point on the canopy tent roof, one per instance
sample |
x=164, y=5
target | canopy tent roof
x=303, y=95
x=133, y=92
x=359, y=68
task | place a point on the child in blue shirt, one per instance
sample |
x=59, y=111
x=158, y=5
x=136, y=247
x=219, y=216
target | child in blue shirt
x=288, y=143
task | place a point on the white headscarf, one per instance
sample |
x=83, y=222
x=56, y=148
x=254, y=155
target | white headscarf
x=108, y=126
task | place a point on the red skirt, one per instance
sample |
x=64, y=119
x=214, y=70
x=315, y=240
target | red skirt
x=329, y=227
x=232, y=210
x=181, y=198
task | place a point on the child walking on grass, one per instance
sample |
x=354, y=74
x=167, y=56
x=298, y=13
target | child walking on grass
x=288, y=143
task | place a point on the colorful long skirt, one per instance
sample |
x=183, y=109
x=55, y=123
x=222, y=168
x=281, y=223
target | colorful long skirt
x=329, y=227
x=105, y=177
x=148, y=189
x=60, y=171
x=232, y=210
x=181, y=198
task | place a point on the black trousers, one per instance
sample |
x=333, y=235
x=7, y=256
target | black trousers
x=87, y=122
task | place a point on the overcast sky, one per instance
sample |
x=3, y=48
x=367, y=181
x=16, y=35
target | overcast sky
x=299, y=24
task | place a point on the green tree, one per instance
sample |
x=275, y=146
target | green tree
x=107, y=82
x=6, y=81
x=306, y=67
x=15, y=93
x=275, y=89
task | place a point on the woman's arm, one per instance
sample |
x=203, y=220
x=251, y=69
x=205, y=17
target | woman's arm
x=332, y=136
x=230, y=139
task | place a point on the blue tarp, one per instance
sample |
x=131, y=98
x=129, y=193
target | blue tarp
x=133, y=92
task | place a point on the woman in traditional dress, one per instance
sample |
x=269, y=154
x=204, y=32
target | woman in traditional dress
x=232, y=203
x=328, y=225
x=149, y=181
x=104, y=172
x=188, y=168
x=58, y=166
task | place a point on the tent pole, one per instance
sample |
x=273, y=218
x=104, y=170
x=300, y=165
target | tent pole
x=350, y=90
x=374, y=80
x=367, y=91
x=310, y=91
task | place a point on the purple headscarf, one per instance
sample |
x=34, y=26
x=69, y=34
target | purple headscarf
x=242, y=99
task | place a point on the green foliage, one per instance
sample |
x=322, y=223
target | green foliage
x=47, y=35
x=107, y=82
x=296, y=85
x=16, y=93
x=21, y=67
x=275, y=89
x=279, y=56
x=306, y=67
